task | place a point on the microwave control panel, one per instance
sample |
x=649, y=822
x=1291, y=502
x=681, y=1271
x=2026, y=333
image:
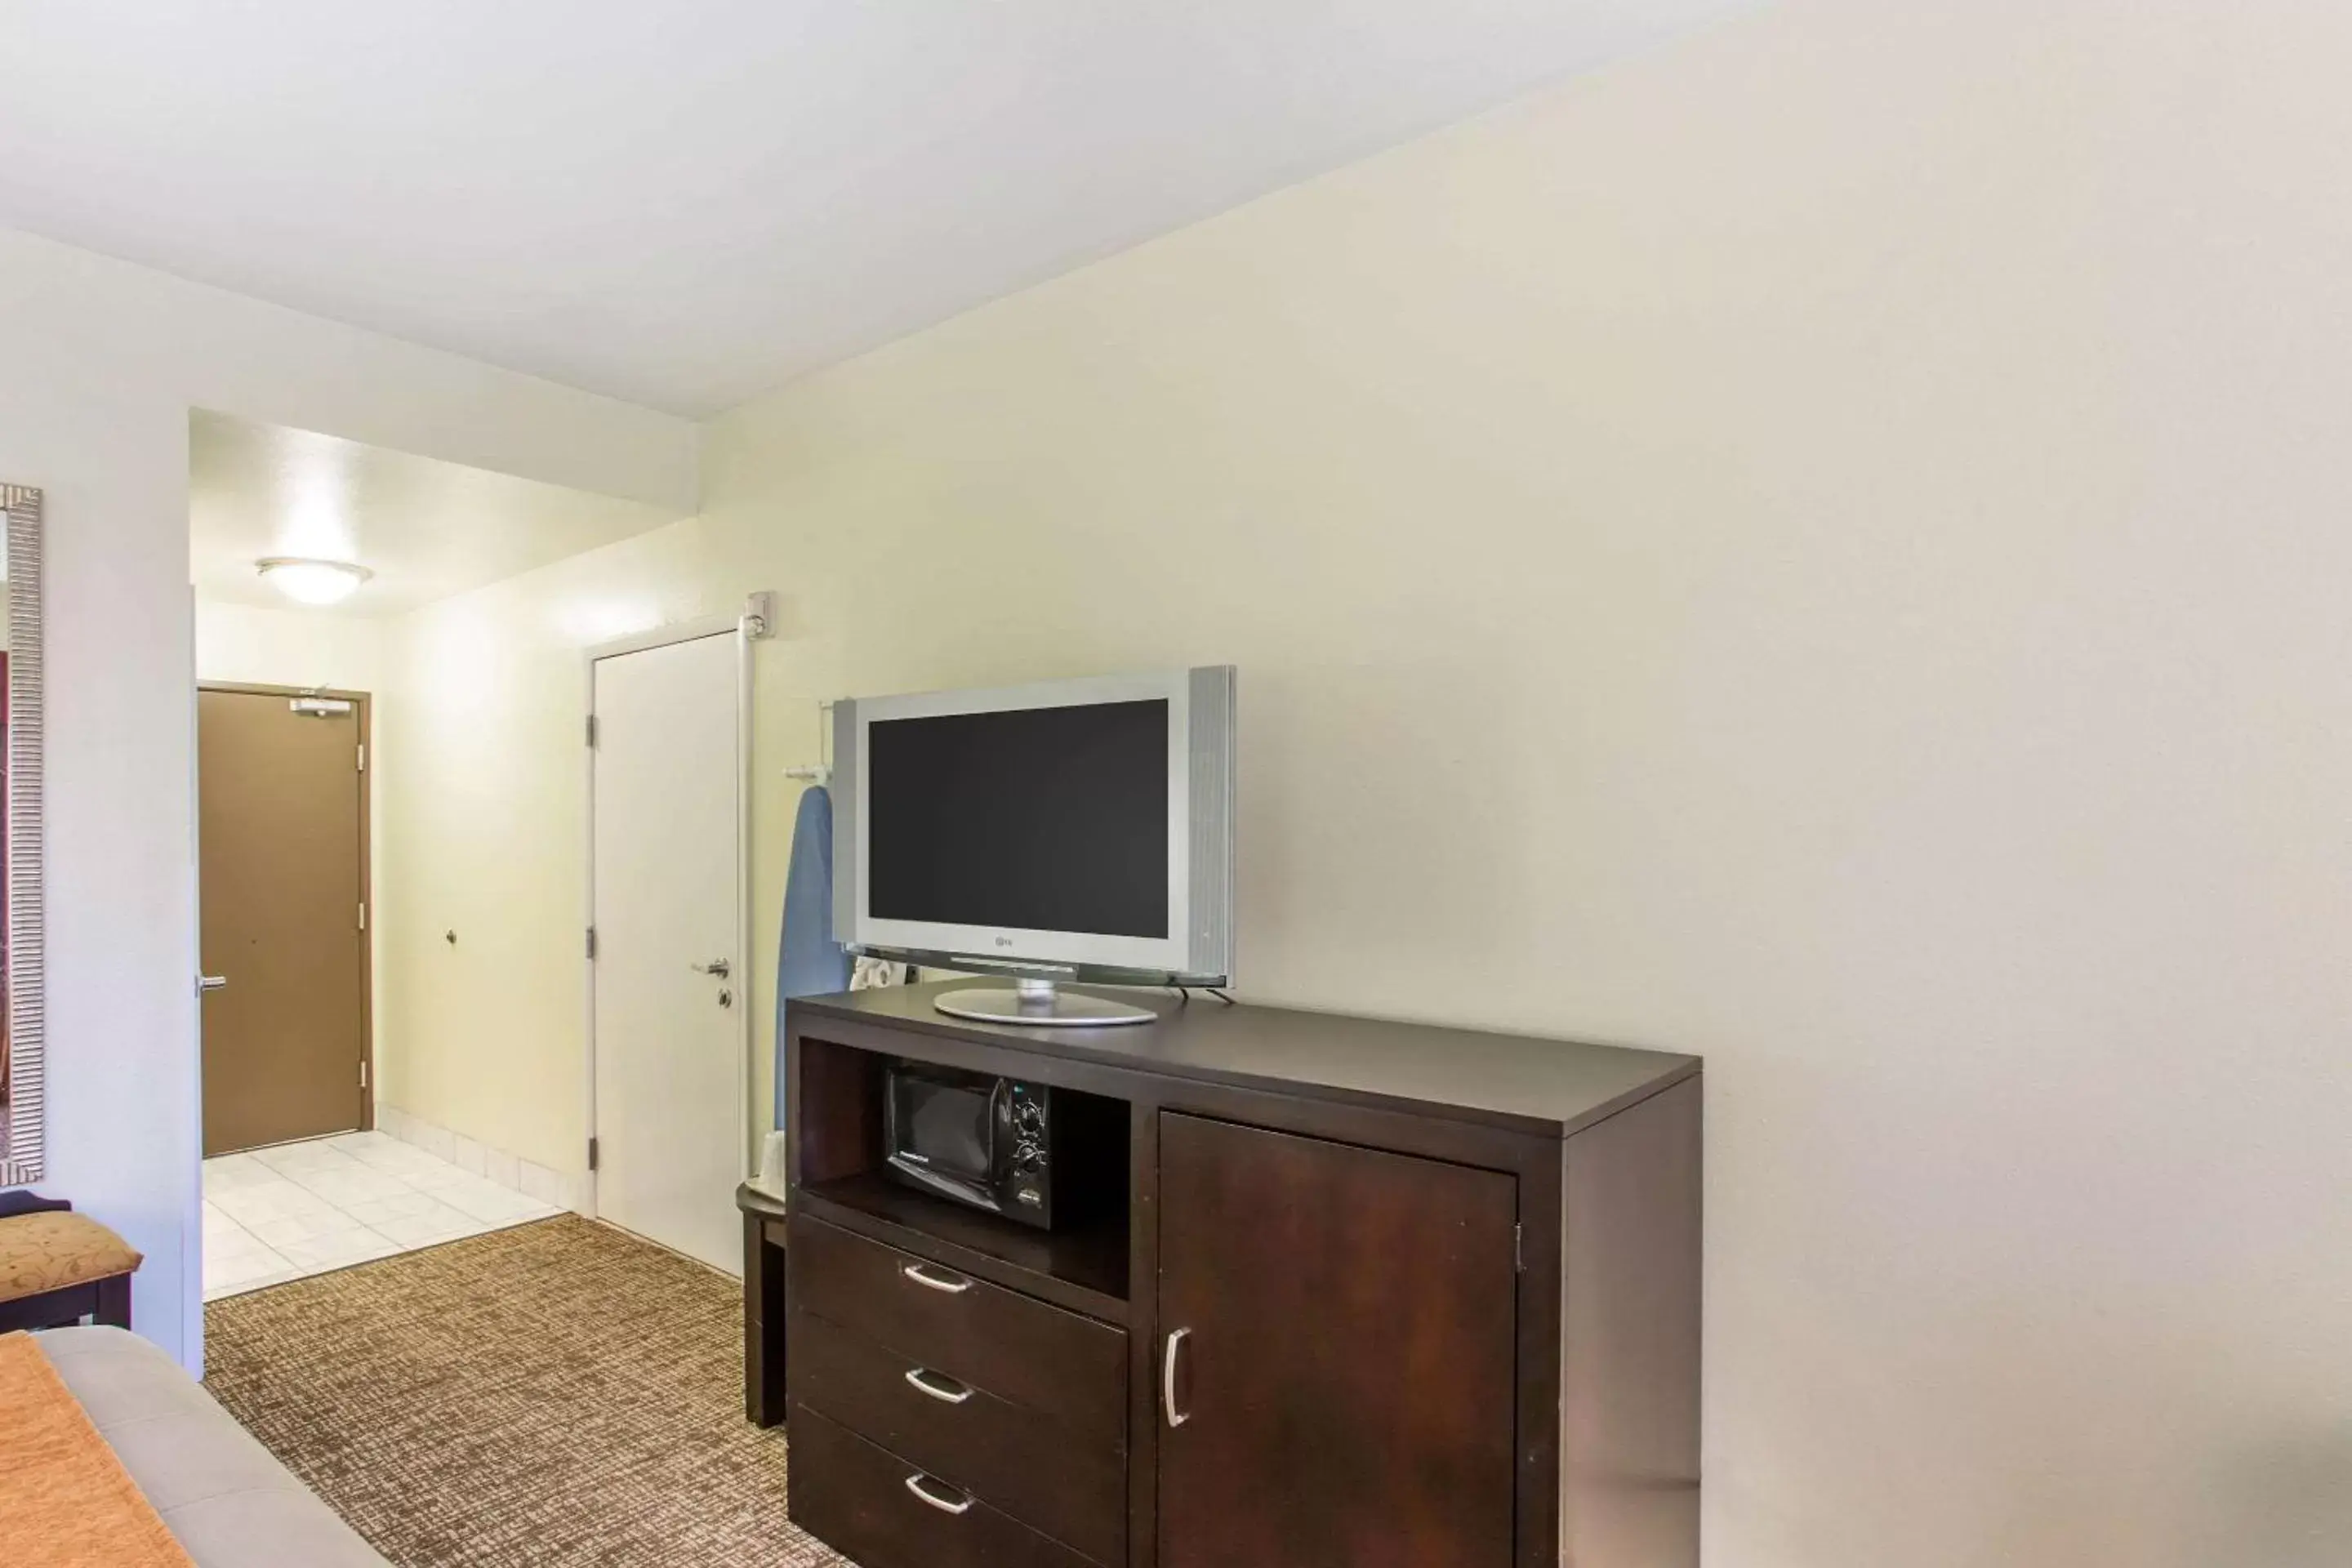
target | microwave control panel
x=1029, y=1156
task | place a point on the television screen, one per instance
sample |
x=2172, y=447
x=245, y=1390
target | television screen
x=1049, y=819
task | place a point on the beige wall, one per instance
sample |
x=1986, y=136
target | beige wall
x=485, y=833
x=1826, y=548
x=244, y=643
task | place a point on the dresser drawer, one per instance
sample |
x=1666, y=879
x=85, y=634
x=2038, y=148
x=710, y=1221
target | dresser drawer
x=882, y=1512
x=1024, y=1352
x=1027, y=1464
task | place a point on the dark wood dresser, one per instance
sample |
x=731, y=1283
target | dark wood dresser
x=1347, y=1294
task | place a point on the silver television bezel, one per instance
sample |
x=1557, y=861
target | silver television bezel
x=1200, y=792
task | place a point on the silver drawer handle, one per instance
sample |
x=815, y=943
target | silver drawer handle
x=931, y=1281
x=945, y=1390
x=921, y=1485
x=1168, y=1379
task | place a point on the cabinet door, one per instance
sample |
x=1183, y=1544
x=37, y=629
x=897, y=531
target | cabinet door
x=1343, y=1324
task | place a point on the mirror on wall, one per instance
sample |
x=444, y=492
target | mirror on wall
x=20, y=845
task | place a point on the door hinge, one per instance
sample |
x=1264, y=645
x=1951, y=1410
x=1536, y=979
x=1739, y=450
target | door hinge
x=591, y=729
x=1518, y=1249
x=362, y=759
x=592, y=1153
x=591, y=942
x=362, y=917
x=363, y=1075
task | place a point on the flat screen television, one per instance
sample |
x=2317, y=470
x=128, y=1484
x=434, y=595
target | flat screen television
x=1071, y=830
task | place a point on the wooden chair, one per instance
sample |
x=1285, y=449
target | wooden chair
x=57, y=1267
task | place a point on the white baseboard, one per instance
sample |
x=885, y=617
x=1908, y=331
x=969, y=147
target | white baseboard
x=525, y=1176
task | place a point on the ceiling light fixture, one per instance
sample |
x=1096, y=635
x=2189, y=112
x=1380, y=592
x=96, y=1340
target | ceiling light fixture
x=309, y=582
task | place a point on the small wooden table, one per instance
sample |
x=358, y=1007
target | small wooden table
x=763, y=1305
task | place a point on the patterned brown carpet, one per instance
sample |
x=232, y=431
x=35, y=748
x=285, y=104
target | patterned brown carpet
x=554, y=1393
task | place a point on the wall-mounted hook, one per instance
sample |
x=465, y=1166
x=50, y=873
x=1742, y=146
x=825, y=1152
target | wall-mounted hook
x=823, y=773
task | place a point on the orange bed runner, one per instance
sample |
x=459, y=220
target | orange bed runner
x=65, y=1500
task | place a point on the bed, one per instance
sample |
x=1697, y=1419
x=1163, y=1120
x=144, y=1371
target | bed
x=221, y=1495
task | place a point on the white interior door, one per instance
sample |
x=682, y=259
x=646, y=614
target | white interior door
x=668, y=980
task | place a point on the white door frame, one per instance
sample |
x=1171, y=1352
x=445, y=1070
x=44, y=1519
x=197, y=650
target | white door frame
x=664, y=636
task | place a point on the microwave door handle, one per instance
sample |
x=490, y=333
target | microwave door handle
x=999, y=1134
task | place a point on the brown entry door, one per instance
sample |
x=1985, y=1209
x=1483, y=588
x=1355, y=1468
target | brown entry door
x=1345, y=1323
x=281, y=841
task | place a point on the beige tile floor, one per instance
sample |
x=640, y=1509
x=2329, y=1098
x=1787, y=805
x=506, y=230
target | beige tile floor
x=279, y=1213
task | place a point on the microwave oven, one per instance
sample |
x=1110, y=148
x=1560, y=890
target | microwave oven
x=996, y=1144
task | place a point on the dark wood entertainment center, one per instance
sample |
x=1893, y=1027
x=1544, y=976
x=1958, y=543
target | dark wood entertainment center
x=1434, y=1294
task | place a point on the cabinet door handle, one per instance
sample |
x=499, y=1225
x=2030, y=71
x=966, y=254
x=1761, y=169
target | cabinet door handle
x=945, y=1390
x=922, y=1486
x=1167, y=1378
x=931, y=1281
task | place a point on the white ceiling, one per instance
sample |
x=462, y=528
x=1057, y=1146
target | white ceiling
x=685, y=203
x=425, y=528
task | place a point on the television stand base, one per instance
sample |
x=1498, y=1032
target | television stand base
x=1041, y=1004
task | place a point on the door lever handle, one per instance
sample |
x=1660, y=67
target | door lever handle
x=718, y=968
